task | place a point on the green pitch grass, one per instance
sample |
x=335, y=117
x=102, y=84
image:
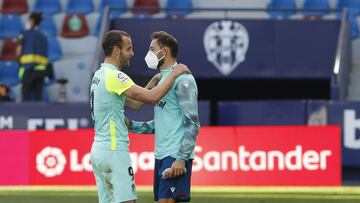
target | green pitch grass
x=66, y=194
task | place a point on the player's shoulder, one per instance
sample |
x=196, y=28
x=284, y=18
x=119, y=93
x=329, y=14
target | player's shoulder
x=186, y=77
x=116, y=75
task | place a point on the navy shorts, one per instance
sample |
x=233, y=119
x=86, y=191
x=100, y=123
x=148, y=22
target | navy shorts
x=178, y=187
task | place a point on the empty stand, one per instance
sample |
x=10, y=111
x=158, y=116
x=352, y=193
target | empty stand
x=8, y=51
x=76, y=71
x=79, y=6
x=10, y=25
x=50, y=6
x=179, y=7
x=318, y=4
x=282, y=4
x=14, y=7
x=48, y=25
x=9, y=72
x=92, y=20
x=119, y=4
x=74, y=26
x=146, y=7
x=230, y=3
x=76, y=48
x=54, y=51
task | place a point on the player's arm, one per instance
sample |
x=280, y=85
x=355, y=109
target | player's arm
x=136, y=105
x=154, y=95
x=186, y=93
x=140, y=127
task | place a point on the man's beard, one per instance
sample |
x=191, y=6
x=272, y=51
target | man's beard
x=124, y=62
x=161, y=62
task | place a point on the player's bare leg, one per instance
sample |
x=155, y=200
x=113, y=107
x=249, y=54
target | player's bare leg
x=132, y=201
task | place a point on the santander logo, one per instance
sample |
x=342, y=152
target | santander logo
x=50, y=161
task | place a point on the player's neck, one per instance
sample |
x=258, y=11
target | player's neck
x=168, y=63
x=113, y=62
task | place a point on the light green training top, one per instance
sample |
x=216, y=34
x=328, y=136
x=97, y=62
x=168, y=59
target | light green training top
x=107, y=107
x=176, y=123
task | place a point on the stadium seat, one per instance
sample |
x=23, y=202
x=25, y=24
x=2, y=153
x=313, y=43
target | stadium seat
x=112, y=3
x=49, y=6
x=354, y=27
x=14, y=7
x=230, y=4
x=146, y=7
x=352, y=5
x=92, y=20
x=10, y=26
x=184, y=7
x=318, y=4
x=349, y=4
x=282, y=4
x=97, y=28
x=9, y=72
x=54, y=51
x=354, y=11
x=78, y=48
x=8, y=51
x=78, y=73
x=48, y=25
x=74, y=26
x=79, y=6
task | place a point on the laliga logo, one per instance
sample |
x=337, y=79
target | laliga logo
x=50, y=161
x=226, y=44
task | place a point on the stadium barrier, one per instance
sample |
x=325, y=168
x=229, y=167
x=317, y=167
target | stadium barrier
x=281, y=155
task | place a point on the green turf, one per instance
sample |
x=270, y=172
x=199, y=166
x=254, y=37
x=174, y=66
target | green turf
x=199, y=194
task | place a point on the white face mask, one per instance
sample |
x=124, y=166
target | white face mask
x=152, y=60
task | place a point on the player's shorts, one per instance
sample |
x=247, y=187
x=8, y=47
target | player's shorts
x=113, y=174
x=177, y=188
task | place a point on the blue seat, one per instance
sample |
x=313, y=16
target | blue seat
x=10, y=26
x=79, y=6
x=317, y=4
x=112, y=3
x=352, y=5
x=348, y=3
x=354, y=11
x=9, y=71
x=282, y=4
x=49, y=6
x=48, y=25
x=54, y=51
x=98, y=26
x=184, y=6
x=354, y=27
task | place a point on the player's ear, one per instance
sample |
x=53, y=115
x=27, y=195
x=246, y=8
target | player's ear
x=166, y=51
x=116, y=50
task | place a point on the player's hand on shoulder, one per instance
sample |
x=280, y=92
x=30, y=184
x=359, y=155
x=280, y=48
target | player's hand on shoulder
x=179, y=69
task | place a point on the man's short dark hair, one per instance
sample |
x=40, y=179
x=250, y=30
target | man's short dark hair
x=167, y=40
x=113, y=38
x=37, y=17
